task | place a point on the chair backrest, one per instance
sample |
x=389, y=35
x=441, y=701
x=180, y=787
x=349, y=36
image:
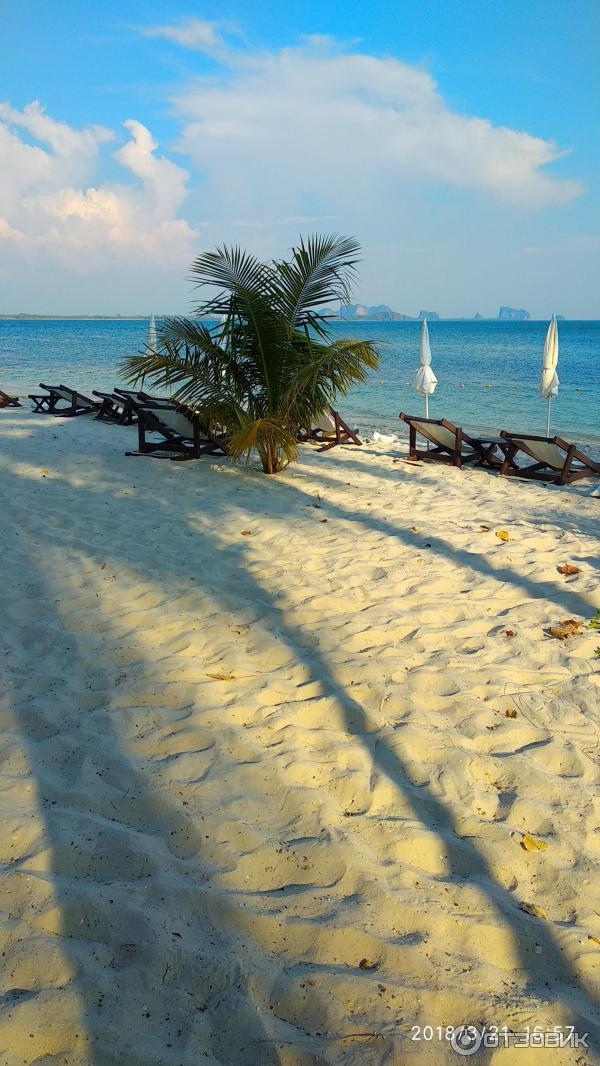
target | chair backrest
x=325, y=423
x=545, y=452
x=175, y=420
x=67, y=393
x=435, y=432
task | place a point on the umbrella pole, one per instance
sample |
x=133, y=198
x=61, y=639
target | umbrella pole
x=548, y=417
x=427, y=413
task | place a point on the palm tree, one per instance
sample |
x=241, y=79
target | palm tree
x=271, y=366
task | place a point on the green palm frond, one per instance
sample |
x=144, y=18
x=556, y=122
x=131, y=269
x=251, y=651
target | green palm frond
x=319, y=274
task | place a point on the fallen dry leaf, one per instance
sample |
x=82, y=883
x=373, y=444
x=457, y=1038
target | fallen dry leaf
x=560, y=632
x=322, y=519
x=364, y=964
x=596, y=939
x=569, y=627
x=510, y=712
x=246, y=533
x=509, y=632
x=567, y=569
x=532, y=908
x=484, y=529
x=502, y=534
x=221, y=677
x=415, y=529
x=531, y=843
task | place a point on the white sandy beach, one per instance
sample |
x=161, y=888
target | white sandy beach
x=262, y=800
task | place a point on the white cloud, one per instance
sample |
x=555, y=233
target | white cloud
x=309, y=121
x=317, y=136
x=46, y=203
x=194, y=33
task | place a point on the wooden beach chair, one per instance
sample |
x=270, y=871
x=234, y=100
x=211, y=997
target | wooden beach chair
x=330, y=431
x=555, y=459
x=451, y=444
x=180, y=429
x=76, y=402
x=9, y=401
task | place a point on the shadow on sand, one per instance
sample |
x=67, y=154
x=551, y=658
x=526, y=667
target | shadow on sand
x=120, y=850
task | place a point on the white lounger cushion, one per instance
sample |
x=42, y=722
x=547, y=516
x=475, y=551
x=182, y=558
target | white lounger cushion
x=545, y=452
x=325, y=423
x=440, y=434
x=176, y=421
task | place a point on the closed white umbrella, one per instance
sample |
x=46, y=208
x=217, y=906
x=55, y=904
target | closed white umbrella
x=151, y=340
x=425, y=379
x=549, y=378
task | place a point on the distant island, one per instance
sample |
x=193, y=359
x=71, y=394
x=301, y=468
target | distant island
x=513, y=314
x=377, y=313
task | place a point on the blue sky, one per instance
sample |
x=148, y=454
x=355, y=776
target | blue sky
x=433, y=131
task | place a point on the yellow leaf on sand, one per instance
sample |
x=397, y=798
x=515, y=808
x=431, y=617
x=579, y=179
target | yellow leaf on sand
x=532, y=908
x=510, y=712
x=569, y=627
x=596, y=939
x=529, y=843
x=502, y=534
x=567, y=569
x=221, y=677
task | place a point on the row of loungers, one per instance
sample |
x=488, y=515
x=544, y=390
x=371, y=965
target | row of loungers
x=555, y=459
x=182, y=431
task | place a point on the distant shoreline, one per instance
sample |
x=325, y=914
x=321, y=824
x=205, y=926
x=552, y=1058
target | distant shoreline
x=78, y=318
x=333, y=318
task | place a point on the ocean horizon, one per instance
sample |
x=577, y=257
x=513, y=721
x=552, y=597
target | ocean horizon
x=488, y=370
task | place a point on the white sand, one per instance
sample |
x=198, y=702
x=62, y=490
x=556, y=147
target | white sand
x=193, y=868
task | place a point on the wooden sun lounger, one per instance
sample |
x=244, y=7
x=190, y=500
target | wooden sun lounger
x=340, y=433
x=182, y=431
x=451, y=444
x=555, y=459
x=77, y=403
x=9, y=401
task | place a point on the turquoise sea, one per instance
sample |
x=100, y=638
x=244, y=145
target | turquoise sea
x=487, y=370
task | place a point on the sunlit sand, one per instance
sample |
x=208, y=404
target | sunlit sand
x=271, y=747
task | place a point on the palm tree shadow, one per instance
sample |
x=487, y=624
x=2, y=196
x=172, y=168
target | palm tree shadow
x=156, y=978
x=560, y=593
x=547, y=974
